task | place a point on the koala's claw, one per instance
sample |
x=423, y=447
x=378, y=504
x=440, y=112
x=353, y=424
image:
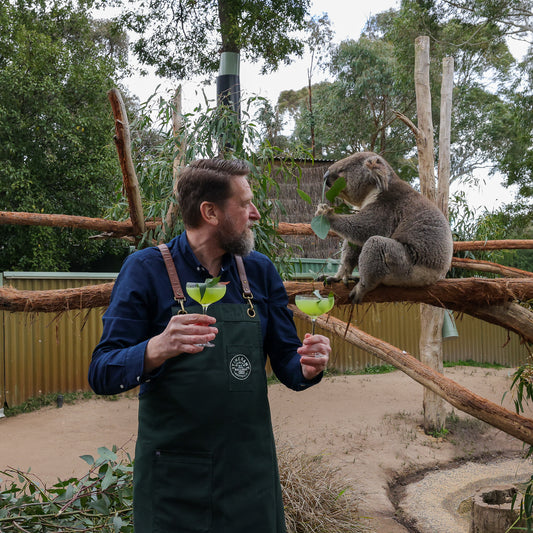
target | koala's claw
x=323, y=210
x=327, y=279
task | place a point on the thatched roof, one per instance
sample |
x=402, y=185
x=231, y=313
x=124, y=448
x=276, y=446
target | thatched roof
x=298, y=210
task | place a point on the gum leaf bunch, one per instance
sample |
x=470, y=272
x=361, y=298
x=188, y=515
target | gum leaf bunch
x=320, y=224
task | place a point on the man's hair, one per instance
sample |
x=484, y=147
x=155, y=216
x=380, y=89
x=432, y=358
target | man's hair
x=206, y=180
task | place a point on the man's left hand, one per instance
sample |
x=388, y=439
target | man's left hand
x=314, y=355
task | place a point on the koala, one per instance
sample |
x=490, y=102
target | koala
x=395, y=236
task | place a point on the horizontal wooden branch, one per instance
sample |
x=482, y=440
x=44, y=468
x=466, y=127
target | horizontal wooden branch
x=511, y=423
x=488, y=266
x=119, y=229
x=492, y=300
x=112, y=228
x=55, y=301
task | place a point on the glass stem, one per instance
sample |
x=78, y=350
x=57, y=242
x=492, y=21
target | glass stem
x=313, y=320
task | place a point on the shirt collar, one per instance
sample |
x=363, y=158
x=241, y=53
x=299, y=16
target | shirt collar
x=188, y=255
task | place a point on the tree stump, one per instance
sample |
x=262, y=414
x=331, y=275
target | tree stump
x=493, y=511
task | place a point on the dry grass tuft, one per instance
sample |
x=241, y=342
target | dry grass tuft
x=315, y=500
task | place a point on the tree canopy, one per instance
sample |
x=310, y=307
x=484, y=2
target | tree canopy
x=56, y=151
x=184, y=38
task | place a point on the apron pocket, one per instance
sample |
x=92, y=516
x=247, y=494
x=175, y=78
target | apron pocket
x=182, y=492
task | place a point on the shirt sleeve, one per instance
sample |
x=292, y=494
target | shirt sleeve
x=282, y=340
x=118, y=360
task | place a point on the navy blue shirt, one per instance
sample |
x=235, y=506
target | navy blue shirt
x=141, y=307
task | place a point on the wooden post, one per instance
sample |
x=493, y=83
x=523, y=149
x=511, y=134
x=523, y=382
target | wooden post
x=446, y=92
x=129, y=177
x=177, y=164
x=431, y=318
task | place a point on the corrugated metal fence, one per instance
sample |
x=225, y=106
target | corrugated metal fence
x=43, y=353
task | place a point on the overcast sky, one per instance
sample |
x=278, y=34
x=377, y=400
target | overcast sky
x=347, y=18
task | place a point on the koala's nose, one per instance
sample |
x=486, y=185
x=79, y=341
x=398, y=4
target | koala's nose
x=327, y=177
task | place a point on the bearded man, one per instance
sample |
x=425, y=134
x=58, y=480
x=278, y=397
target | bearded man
x=205, y=458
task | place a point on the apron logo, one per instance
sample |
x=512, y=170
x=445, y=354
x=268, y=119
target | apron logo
x=240, y=367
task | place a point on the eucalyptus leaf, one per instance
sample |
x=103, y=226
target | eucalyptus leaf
x=320, y=225
x=304, y=196
x=336, y=188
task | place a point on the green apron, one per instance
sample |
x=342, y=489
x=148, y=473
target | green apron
x=205, y=458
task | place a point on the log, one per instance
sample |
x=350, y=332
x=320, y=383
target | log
x=488, y=266
x=129, y=177
x=111, y=228
x=489, y=300
x=492, y=300
x=118, y=229
x=461, y=398
x=55, y=301
x=510, y=244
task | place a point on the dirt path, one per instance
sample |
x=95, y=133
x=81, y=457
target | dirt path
x=367, y=426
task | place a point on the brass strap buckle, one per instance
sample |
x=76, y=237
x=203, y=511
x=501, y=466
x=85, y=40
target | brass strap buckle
x=181, y=311
x=248, y=297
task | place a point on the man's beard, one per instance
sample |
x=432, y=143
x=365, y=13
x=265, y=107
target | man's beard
x=236, y=244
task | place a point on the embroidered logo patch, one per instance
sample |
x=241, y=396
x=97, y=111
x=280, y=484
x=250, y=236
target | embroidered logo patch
x=240, y=367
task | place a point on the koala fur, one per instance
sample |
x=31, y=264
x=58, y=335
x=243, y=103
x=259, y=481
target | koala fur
x=396, y=236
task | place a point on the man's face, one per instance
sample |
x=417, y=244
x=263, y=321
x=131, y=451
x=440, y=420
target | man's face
x=234, y=232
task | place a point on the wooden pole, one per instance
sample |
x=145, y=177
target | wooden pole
x=129, y=177
x=431, y=318
x=446, y=93
x=179, y=158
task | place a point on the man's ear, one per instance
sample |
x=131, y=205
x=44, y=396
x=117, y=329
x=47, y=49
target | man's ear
x=209, y=213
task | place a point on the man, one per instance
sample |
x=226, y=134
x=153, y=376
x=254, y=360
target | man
x=205, y=459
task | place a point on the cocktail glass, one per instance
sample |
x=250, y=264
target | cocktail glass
x=314, y=305
x=205, y=294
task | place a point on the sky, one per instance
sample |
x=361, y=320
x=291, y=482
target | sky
x=347, y=18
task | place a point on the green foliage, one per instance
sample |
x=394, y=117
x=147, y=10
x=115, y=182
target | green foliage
x=471, y=362
x=209, y=132
x=378, y=369
x=513, y=221
x=186, y=41
x=44, y=400
x=56, y=154
x=99, y=501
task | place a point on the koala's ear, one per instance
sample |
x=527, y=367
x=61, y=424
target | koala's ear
x=379, y=172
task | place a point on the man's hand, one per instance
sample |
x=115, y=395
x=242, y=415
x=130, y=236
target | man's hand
x=315, y=355
x=183, y=334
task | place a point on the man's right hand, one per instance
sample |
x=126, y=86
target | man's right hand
x=183, y=334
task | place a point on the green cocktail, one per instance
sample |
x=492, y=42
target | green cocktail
x=210, y=295
x=205, y=294
x=314, y=305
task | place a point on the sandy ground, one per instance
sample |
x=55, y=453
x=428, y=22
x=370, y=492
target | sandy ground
x=368, y=426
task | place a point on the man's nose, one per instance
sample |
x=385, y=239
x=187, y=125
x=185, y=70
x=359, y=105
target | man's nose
x=254, y=213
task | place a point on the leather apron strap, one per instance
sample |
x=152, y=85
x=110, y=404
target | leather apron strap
x=178, y=291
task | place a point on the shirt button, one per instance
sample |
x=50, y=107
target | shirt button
x=138, y=378
x=121, y=386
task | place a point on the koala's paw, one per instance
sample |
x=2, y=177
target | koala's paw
x=327, y=279
x=323, y=210
x=357, y=294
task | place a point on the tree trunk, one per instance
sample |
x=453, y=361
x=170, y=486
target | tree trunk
x=443, y=189
x=179, y=160
x=431, y=318
x=129, y=177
